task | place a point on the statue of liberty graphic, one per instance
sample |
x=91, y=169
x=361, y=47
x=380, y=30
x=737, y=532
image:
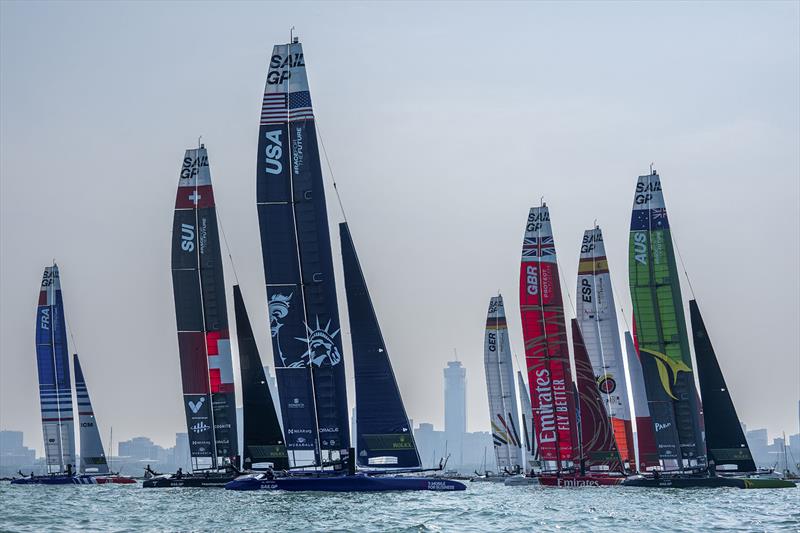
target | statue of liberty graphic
x=278, y=309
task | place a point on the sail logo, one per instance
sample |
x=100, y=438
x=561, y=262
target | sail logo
x=187, y=237
x=544, y=396
x=640, y=247
x=44, y=319
x=195, y=406
x=321, y=347
x=667, y=366
x=273, y=152
x=532, y=279
x=191, y=166
x=659, y=426
x=200, y=427
x=536, y=220
x=645, y=191
x=296, y=404
x=606, y=384
x=278, y=73
x=278, y=309
x=586, y=290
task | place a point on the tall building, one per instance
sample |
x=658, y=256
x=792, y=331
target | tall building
x=182, y=457
x=455, y=410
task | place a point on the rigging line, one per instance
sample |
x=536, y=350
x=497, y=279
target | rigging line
x=227, y=247
x=330, y=168
x=683, y=266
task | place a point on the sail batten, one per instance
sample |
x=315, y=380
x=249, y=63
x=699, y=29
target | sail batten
x=503, y=414
x=201, y=316
x=298, y=263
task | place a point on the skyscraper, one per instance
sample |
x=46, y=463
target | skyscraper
x=455, y=409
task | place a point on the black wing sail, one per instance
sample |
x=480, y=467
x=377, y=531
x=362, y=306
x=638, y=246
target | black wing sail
x=263, y=438
x=724, y=436
x=383, y=433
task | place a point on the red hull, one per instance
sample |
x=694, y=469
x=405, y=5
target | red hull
x=122, y=480
x=580, y=481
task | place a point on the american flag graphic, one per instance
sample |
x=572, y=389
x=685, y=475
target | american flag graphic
x=531, y=246
x=273, y=108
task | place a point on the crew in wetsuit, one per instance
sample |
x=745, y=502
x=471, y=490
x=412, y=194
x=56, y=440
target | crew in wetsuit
x=270, y=474
x=69, y=469
x=179, y=474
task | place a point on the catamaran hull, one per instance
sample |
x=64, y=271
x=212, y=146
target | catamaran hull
x=689, y=482
x=357, y=483
x=579, y=481
x=55, y=480
x=116, y=480
x=189, y=482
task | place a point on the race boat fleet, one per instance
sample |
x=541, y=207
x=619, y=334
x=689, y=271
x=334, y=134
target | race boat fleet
x=568, y=426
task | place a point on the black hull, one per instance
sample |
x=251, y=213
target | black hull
x=188, y=482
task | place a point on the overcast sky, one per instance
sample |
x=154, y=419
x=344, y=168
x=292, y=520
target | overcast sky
x=444, y=123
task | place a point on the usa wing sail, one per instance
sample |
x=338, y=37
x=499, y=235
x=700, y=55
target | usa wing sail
x=597, y=318
x=546, y=350
x=298, y=263
x=660, y=325
x=93, y=458
x=503, y=416
x=55, y=387
x=383, y=431
x=202, y=317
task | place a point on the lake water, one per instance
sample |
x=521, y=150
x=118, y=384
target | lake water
x=482, y=507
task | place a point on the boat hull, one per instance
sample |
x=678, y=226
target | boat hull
x=187, y=481
x=116, y=480
x=56, y=480
x=698, y=482
x=578, y=481
x=357, y=483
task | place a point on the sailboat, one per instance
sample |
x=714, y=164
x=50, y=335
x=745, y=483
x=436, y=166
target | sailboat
x=304, y=316
x=503, y=416
x=597, y=318
x=662, y=344
x=553, y=393
x=55, y=395
x=203, y=338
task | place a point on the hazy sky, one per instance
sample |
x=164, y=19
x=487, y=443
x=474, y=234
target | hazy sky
x=444, y=124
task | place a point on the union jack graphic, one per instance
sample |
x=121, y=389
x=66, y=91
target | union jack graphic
x=532, y=245
x=273, y=107
x=659, y=212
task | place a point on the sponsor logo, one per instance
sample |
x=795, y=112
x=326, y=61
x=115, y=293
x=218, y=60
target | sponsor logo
x=660, y=426
x=87, y=424
x=187, y=237
x=297, y=150
x=300, y=440
x=667, y=366
x=606, y=384
x=440, y=485
x=273, y=152
x=493, y=306
x=577, y=483
x=589, y=241
x=532, y=278
x=645, y=190
x=295, y=431
x=200, y=427
x=192, y=165
x=328, y=430
x=536, y=220
x=195, y=406
x=321, y=346
x=296, y=404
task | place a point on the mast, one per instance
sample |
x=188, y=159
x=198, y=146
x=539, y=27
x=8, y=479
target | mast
x=597, y=318
x=55, y=387
x=93, y=458
x=546, y=350
x=263, y=438
x=298, y=263
x=645, y=436
x=660, y=328
x=502, y=396
x=598, y=443
x=383, y=432
x=202, y=317
x=723, y=431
